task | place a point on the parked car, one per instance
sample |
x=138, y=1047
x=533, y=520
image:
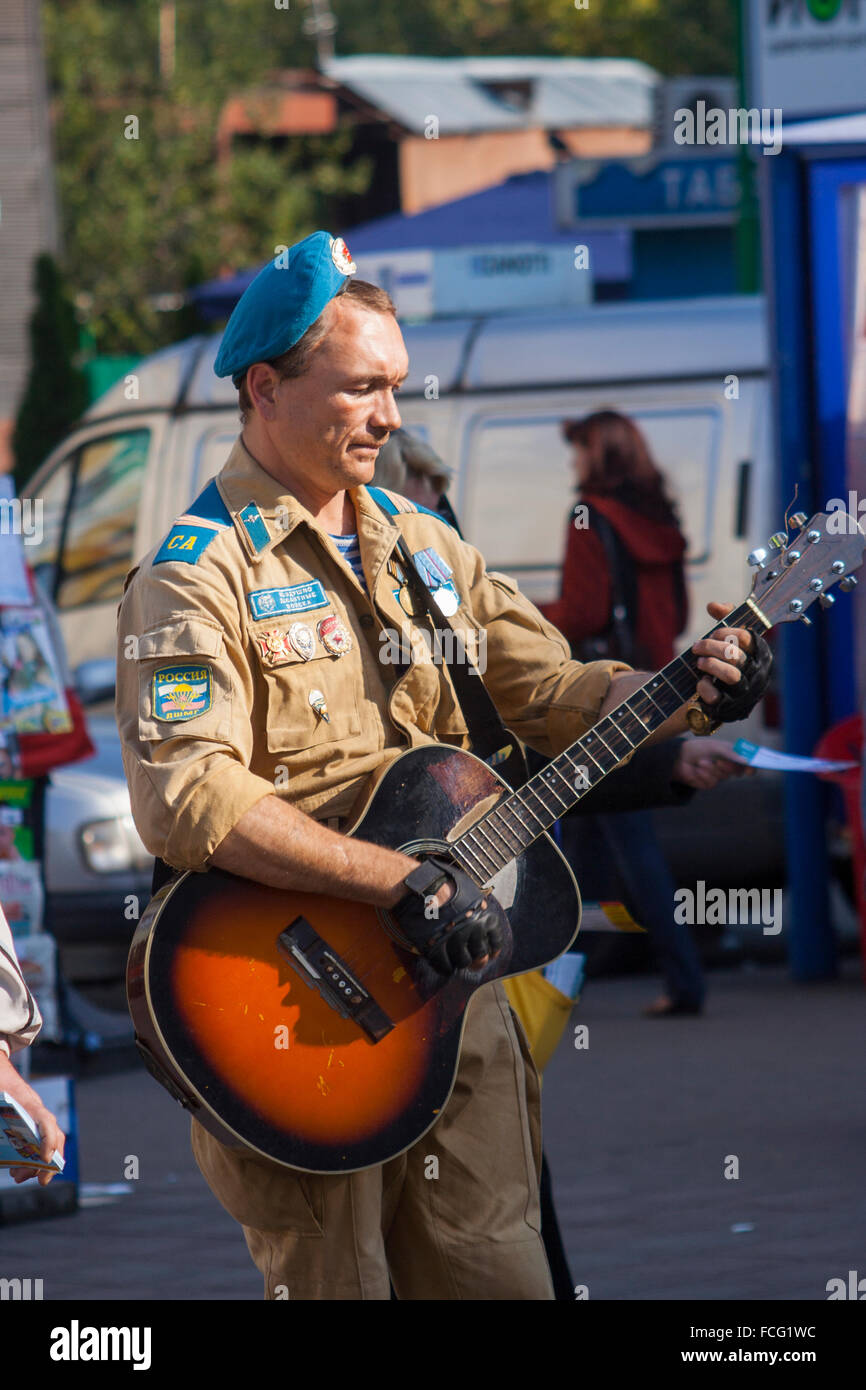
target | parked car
x=97, y=872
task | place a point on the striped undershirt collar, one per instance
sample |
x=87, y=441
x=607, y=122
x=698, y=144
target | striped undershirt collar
x=350, y=549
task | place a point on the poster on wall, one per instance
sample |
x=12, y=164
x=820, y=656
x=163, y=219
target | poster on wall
x=32, y=698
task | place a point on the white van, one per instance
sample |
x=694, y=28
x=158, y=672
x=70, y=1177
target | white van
x=489, y=394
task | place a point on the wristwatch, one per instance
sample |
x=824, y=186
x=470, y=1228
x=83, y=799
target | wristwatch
x=700, y=722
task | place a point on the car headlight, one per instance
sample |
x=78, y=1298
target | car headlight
x=113, y=846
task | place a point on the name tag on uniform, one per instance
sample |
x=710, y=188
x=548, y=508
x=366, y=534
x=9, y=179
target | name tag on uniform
x=297, y=598
x=181, y=692
x=185, y=543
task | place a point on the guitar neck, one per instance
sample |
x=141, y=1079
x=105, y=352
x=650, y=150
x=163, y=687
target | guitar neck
x=514, y=823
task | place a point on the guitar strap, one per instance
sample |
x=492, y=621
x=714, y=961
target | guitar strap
x=488, y=736
x=623, y=582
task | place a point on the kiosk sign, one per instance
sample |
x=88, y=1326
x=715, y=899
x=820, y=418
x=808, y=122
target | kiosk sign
x=806, y=56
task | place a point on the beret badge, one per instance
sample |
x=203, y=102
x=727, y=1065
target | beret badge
x=342, y=256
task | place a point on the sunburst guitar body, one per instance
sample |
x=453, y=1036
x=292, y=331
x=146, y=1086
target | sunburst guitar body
x=296, y=1024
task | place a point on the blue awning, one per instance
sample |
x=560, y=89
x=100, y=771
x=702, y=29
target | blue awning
x=520, y=210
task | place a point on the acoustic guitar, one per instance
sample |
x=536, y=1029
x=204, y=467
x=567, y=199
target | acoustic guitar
x=303, y=1027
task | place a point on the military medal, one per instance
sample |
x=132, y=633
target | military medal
x=334, y=635
x=406, y=601
x=446, y=600
x=302, y=640
x=319, y=704
x=403, y=595
x=274, y=644
x=436, y=574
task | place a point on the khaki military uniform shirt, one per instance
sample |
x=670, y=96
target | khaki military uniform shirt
x=217, y=709
x=20, y=1019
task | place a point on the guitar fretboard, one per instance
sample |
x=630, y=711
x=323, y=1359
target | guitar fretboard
x=510, y=827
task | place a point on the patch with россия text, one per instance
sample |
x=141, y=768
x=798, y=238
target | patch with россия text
x=181, y=692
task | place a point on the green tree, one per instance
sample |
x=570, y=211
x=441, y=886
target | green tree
x=674, y=36
x=56, y=391
x=147, y=208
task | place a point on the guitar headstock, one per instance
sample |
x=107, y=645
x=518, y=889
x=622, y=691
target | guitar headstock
x=795, y=573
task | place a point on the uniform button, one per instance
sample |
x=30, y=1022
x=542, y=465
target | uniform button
x=366, y=620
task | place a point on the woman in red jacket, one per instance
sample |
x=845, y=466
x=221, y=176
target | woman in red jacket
x=623, y=596
x=619, y=482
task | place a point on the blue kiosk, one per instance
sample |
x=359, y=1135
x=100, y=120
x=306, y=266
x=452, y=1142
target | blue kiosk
x=814, y=240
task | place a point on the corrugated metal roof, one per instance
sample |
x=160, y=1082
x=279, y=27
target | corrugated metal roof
x=564, y=92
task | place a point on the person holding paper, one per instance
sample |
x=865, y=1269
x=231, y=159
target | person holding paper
x=20, y=1022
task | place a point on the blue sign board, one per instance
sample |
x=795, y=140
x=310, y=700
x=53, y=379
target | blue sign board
x=662, y=190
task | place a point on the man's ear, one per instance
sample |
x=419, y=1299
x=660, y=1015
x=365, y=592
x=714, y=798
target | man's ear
x=262, y=383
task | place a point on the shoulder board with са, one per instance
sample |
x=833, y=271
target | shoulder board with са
x=193, y=532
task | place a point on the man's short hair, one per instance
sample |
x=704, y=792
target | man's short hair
x=296, y=361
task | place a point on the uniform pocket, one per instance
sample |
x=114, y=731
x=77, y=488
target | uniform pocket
x=301, y=693
x=184, y=685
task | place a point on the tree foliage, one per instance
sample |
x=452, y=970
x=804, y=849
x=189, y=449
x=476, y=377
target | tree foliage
x=674, y=36
x=56, y=392
x=146, y=215
x=147, y=209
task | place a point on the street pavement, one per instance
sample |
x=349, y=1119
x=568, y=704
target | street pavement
x=640, y=1128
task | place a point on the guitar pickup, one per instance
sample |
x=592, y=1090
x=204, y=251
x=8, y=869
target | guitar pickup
x=322, y=969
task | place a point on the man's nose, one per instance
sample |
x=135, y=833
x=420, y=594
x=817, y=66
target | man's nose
x=386, y=416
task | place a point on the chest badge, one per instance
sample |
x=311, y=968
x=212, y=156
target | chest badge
x=403, y=594
x=334, y=635
x=302, y=640
x=319, y=704
x=275, y=645
x=436, y=574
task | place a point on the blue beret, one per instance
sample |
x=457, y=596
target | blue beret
x=286, y=297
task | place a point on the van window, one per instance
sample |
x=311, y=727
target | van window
x=53, y=495
x=100, y=526
x=519, y=483
x=211, y=452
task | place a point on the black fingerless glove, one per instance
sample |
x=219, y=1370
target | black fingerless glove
x=469, y=926
x=737, y=701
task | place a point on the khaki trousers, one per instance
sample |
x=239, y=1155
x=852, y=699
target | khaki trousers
x=465, y=1226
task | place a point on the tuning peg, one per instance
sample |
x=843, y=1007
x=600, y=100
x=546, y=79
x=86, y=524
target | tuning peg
x=804, y=619
x=799, y=520
x=827, y=600
x=778, y=540
x=757, y=559
x=848, y=583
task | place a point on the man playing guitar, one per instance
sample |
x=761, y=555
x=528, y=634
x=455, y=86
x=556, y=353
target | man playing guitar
x=254, y=706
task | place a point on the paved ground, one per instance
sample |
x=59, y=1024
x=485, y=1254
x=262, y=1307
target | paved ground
x=639, y=1128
